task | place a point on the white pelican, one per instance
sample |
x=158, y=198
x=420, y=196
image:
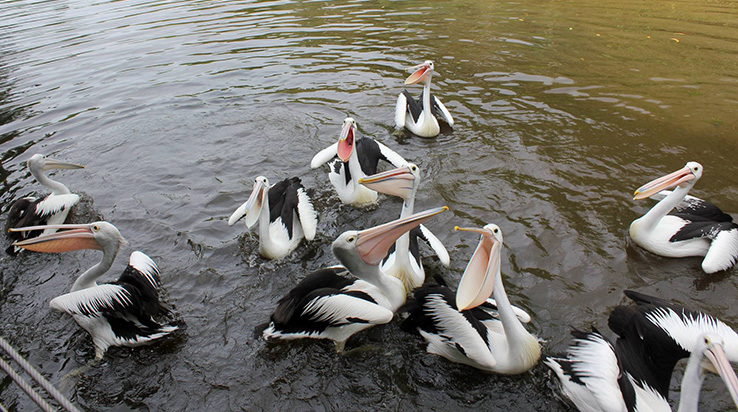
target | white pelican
x=671, y=328
x=420, y=117
x=327, y=305
x=460, y=330
x=697, y=228
x=403, y=260
x=593, y=377
x=120, y=313
x=51, y=209
x=285, y=214
x=356, y=158
x=653, y=336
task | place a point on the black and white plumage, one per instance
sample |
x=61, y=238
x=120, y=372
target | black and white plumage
x=668, y=327
x=51, y=209
x=421, y=117
x=352, y=158
x=403, y=260
x=285, y=214
x=121, y=313
x=635, y=373
x=594, y=378
x=466, y=328
x=695, y=228
x=328, y=305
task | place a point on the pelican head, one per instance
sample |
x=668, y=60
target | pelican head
x=688, y=175
x=709, y=349
x=346, y=140
x=401, y=182
x=477, y=282
x=39, y=163
x=361, y=250
x=252, y=208
x=97, y=235
x=421, y=72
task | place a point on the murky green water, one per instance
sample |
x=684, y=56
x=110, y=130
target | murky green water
x=562, y=109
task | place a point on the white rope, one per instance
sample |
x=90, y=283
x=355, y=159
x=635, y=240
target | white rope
x=26, y=387
x=48, y=387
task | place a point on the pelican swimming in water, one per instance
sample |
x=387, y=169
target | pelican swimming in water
x=328, y=305
x=285, y=214
x=357, y=158
x=658, y=324
x=120, y=313
x=593, y=376
x=421, y=117
x=462, y=329
x=51, y=209
x=403, y=260
x=653, y=336
x=696, y=228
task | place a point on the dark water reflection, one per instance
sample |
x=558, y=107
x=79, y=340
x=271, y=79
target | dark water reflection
x=562, y=109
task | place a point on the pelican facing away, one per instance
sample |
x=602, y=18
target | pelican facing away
x=357, y=157
x=285, y=214
x=328, y=305
x=421, y=117
x=51, y=209
x=593, y=377
x=652, y=337
x=696, y=228
x=120, y=313
x=462, y=329
x=403, y=260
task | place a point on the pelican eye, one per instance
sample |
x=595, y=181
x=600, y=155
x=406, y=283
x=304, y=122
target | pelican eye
x=707, y=340
x=95, y=228
x=414, y=168
x=495, y=231
x=351, y=239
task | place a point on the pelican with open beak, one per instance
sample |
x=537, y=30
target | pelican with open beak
x=352, y=158
x=121, y=313
x=329, y=305
x=284, y=212
x=695, y=228
x=51, y=209
x=404, y=260
x=463, y=328
x=421, y=117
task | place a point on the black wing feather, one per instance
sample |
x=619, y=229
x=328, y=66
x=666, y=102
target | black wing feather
x=283, y=200
x=700, y=227
x=324, y=279
x=697, y=207
x=413, y=105
x=419, y=311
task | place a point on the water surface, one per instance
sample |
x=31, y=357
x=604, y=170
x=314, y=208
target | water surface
x=562, y=109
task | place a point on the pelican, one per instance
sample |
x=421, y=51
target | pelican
x=51, y=209
x=290, y=218
x=593, y=377
x=356, y=158
x=658, y=324
x=403, y=260
x=653, y=336
x=460, y=330
x=420, y=117
x=697, y=228
x=328, y=305
x=120, y=313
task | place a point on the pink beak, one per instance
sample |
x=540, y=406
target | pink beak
x=69, y=238
x=374, y=243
